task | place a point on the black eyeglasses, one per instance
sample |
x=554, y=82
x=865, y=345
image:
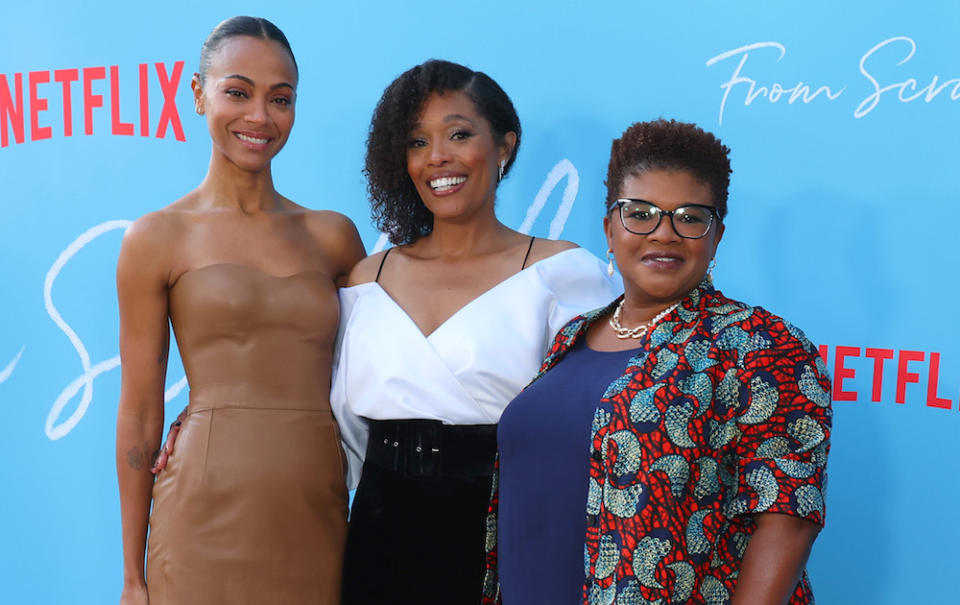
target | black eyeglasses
x=691, y=221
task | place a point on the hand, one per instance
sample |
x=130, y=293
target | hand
x=134, y=595
x=166, y=450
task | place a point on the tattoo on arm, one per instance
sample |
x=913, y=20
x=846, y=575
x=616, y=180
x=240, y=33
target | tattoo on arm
x=138, y=457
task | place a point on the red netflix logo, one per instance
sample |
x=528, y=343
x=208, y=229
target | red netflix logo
x=16, y=110
x=906, y=364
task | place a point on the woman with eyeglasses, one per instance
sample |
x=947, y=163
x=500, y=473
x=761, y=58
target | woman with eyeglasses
x=673, y=447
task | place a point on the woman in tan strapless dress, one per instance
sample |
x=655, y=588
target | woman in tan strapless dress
x=253, y=508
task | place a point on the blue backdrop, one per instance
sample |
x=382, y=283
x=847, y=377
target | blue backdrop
x=844, y=124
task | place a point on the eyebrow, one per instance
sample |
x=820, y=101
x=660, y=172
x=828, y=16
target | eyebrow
x=680, y=205
x=251, y=83
x=453, y=117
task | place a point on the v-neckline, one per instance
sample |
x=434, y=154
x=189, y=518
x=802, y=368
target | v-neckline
x=469, y=303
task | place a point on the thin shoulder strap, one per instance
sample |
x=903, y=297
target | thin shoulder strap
x=527, y=257
x=382, y=260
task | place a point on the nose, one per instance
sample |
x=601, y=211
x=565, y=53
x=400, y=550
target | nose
x=256, y=112
x=439, y=153
x=665, y=231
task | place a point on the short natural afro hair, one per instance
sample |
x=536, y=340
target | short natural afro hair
x=396, y=207
x=670, y=145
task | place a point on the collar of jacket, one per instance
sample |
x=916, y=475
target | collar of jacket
x=690, y=309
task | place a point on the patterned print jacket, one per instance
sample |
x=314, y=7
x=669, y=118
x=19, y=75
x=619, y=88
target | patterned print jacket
x=724, y=414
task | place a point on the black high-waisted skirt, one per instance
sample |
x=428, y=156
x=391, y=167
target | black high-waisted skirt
x=418, y=520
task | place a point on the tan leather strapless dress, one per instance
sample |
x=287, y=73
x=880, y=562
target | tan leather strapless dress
x=252, y=507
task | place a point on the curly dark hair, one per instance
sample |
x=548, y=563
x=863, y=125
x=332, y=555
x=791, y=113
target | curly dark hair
x=241, y=25
x=396, y=208
x=670, y=145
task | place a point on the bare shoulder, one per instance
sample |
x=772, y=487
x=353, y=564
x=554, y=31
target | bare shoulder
x=336, y=234
x=329, y=221
x=329, y=228
x=149, y=248
x=154, y=234
x=171, y=220
x=545, y=248
x=366, y=270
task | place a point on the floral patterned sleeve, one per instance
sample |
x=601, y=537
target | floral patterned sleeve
x=781, y=392
x=491, y=579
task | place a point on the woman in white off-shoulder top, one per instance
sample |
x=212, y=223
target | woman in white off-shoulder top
x=438, y=334
x=468, y=368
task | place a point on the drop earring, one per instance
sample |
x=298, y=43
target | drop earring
x=609, y=262
x=500, y=175
x=710, y=268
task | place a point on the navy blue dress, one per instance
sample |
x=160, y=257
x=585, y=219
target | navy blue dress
x=544, y=444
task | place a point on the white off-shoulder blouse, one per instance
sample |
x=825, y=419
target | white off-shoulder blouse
x=469, y=368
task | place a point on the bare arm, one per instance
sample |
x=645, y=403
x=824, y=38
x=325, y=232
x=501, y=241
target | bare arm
x=366, y=269
x=346, y=246
x=340, y=239
x=774, y=560
x=545, y=248
x=144, y=345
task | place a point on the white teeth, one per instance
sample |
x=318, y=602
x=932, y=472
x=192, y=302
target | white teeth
x=253, y=140
x=665, y=258
x=446, y=182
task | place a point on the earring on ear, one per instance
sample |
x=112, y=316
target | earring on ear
x=711, y=267
x=610, y=262
x=500, y=175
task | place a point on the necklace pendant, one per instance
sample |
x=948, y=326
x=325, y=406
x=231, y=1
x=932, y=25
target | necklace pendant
x=641, y=330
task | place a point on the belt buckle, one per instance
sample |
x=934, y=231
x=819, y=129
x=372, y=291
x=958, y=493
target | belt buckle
x=426, y=452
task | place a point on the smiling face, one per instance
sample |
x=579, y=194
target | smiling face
x=453, y=157
x=660, y=268
x=248, y=95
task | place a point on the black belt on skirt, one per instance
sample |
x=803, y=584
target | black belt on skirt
x=429, y=448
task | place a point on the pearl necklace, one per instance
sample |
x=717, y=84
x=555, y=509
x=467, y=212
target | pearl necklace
x=641, y=330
